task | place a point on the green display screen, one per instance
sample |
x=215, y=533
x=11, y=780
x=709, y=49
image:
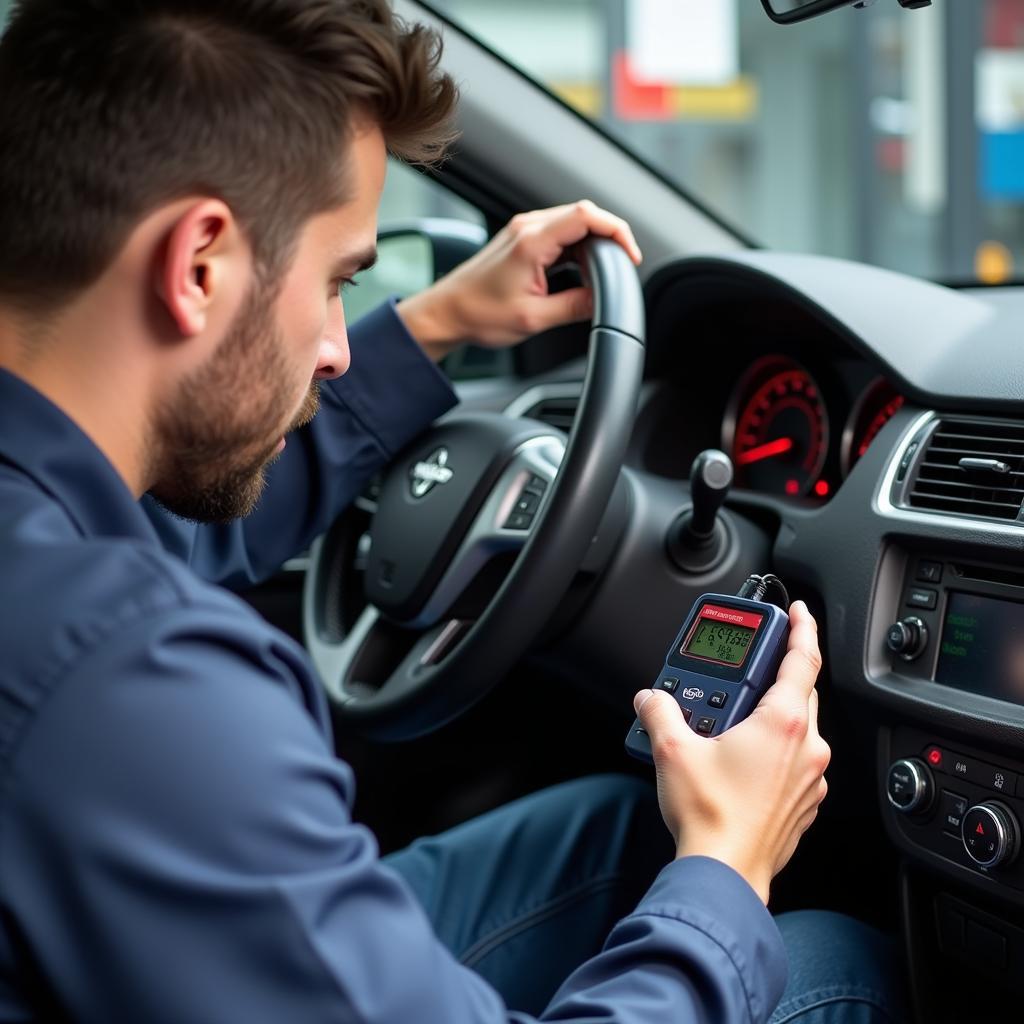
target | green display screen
x=719, y=641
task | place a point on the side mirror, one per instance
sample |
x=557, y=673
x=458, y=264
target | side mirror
x=411, y=255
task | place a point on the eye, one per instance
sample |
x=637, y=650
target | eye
x=342, y=285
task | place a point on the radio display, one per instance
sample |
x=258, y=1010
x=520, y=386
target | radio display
x=721, y=635
x=982, y=648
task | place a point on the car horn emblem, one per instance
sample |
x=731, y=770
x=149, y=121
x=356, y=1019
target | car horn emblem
x=434, y=469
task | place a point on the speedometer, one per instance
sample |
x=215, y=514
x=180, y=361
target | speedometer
x=779, y=428
x=875, y=407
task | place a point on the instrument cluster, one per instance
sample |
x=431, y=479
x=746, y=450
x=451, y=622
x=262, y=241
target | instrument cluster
x=788, y=436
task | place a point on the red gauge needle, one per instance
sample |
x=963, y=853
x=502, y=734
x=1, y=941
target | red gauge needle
x=766, y=451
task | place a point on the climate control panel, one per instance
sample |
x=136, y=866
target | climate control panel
x=943, y=800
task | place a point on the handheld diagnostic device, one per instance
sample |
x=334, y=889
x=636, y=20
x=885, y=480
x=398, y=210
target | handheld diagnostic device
x=724, y=658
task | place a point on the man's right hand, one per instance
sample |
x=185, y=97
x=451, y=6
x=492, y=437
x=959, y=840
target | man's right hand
x=747, y=796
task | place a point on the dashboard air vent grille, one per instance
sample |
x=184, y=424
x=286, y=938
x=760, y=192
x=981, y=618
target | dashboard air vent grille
x=556, y=412
x=972, y=468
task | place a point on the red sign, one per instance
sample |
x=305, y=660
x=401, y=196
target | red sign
x=732, y=616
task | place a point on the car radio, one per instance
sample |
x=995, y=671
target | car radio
x=961, y=624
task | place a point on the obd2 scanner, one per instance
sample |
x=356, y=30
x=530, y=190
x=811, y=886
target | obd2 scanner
x=724, y=658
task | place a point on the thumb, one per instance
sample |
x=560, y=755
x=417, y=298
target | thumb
x=662, y=717
x=562, y=308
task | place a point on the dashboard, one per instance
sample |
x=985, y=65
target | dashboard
x=874, y=423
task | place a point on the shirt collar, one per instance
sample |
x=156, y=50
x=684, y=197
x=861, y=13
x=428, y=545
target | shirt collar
x=40, y=439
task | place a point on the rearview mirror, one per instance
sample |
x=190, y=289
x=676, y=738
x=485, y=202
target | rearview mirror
x=787, y=12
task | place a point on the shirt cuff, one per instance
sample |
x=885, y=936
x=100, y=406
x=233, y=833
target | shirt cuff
x=708, y=895
x=391, y=387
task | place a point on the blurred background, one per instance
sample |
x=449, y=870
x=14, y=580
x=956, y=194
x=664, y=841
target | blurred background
x=889, y=136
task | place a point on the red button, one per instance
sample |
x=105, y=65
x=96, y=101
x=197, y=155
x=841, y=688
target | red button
x=934, y=756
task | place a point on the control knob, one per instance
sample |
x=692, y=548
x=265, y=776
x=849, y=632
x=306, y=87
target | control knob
x=909, y=786
x=991, y=834
x=907, y=638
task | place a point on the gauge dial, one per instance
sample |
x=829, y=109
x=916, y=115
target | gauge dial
x=875, y=407
x=780, y=438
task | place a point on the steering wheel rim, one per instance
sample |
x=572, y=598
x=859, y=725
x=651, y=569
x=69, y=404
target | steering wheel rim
x=425, y=692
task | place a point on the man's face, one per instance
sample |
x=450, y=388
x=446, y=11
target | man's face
x=228, y=419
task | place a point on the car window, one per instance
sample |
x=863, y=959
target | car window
x=890, y=136
x=405, y=265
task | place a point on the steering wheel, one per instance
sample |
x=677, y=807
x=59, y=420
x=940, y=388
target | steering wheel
x=472, y=486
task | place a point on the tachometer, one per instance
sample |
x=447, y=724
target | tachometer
x=779, y=428
x=875, y=407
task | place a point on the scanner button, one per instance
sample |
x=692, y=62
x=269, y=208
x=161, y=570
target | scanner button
x=687, y=713
x=669, y=683
x=718, y=699
x=705, y=725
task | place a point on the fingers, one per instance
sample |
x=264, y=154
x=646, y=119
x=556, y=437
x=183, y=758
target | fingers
x=800, y=667
x=663, y=719
x=567, y=225
x=561, y=308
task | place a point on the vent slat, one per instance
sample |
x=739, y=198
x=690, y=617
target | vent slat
x=940, y=485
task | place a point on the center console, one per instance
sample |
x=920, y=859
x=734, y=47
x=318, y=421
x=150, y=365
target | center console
x=949, y=633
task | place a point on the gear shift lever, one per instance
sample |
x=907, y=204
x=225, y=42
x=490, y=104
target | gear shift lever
x=697, y=540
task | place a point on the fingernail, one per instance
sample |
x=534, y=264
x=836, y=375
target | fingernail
x=641, y=699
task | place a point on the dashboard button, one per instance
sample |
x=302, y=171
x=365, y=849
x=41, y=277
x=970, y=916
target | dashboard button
x=929, y=572
x=909, y=786
x=999, y=779
x=922, y=597
x=952, y=810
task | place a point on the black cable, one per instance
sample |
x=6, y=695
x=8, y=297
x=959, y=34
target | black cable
x=755, y=587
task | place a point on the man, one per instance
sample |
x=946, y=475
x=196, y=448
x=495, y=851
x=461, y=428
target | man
x=184, y=186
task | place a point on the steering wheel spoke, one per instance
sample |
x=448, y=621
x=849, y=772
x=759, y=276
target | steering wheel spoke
x=503, y=523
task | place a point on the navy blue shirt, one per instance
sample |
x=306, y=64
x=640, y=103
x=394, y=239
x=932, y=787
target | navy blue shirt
x=176, y=839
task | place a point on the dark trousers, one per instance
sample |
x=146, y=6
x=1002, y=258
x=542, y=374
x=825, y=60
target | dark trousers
x=526, y=893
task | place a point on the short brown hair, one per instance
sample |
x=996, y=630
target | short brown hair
x=109, y=108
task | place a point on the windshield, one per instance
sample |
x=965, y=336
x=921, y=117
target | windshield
x=887, y=136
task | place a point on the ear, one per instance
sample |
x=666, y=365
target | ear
x=204, y=249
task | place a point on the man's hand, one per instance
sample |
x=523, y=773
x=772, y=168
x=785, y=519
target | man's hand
x=747, y=796
x=500, y=295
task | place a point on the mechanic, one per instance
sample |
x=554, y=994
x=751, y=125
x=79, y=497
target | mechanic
x=184, y=185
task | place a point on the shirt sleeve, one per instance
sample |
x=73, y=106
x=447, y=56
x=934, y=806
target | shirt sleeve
x=391, y=393
x=178, y=845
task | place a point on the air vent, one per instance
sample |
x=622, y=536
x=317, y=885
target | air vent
x=556, y=412
x=972, y=468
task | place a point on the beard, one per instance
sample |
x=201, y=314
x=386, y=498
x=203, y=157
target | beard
x=216, y=437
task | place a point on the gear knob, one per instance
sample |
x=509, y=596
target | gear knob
x=710, y=479
x=697, y=540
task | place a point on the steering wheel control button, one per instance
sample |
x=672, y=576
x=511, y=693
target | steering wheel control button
x=907, y=638
x=519, y=521
x=952, y=810
x=705, y=725
x=718, y=699
x=929, y=572
x=923, y=597
x=990, y=834
x=669, y=683
x=909, y=786
x=527, y=502
x=535, y=485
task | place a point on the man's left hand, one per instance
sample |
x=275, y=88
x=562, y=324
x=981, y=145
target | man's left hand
x=500, y=295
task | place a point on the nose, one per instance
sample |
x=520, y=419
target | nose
x=333, y=358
